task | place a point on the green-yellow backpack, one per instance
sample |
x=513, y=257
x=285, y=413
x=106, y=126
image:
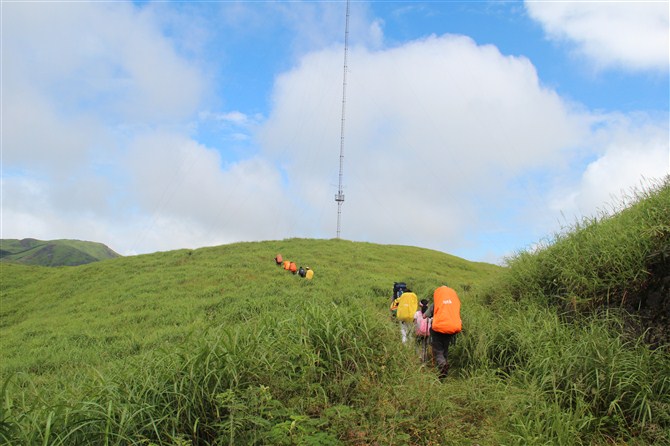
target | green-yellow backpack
x=407, y=306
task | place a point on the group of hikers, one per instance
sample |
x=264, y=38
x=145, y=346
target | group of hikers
x=437, y=323
x=305, y=272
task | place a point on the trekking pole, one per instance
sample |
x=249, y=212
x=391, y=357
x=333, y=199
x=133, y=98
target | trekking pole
x=425, y=342
x=423, y=356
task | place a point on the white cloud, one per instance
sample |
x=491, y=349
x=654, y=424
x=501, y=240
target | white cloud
x=45, y=210
x=316, y=25
x=376, y=33
x=74, y=73
x=108, y=58
x=78, y=80
x=632, y=34
x=428, y=125
x=635, y=153
x=236, y=118
x=182, y=184
x=101, y=117
x=37, y=135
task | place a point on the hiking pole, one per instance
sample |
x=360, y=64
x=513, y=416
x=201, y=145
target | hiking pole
x=425, y=347
x=425, y=342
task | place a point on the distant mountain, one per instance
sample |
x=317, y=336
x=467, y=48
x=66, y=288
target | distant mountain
x=30, y=251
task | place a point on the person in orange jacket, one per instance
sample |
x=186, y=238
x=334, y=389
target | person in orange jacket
x=446, y=313
x=293, y=267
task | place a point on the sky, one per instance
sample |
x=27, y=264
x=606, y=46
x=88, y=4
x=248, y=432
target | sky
x=476, y=128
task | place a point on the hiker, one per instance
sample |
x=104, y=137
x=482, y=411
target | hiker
x=421, y=324
x=293, y=268
x=422, y=328
x=394, y=307
x=309, y=273
x=279, y=260
x=287, y=264
x=407, y=305
x=398, y=289
x=446, y=313
x=302, y=272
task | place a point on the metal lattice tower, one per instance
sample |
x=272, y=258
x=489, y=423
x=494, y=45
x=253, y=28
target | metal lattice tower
x=339, y=197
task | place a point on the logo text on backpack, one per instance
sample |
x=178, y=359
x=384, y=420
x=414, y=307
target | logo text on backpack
x=448, y=301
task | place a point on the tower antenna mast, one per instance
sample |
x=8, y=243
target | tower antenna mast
x=339, y=197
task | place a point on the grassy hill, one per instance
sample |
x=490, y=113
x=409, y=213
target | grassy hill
x=69, y=334
x=54, y=252
x=220, y=346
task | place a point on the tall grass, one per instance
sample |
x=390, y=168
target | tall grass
x=590, y=379
x=599, y=260
x=217, y=346
x=319, y=376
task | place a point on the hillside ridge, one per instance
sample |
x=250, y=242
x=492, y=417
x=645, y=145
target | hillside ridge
x=220, y=345
x=62, y=252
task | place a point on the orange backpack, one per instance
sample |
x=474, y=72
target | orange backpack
x=446, y=311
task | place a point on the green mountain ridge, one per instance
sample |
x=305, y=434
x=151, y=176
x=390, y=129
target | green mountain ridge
x=30, y=251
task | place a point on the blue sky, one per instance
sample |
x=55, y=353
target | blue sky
x=474, y=128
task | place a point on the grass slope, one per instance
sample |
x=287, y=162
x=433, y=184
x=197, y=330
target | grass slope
x=53, y=252
x=140, y=319
x=95, y=314
x=219, y=346
x=606, y=263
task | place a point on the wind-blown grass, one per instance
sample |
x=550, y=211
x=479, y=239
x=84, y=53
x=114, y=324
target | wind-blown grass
x=599, y=261
x=590, y=376
x=218, y=346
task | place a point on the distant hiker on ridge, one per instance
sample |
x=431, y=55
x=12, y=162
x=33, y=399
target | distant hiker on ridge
x=279, y=260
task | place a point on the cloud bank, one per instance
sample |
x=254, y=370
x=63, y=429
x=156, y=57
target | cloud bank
x=633, y=35
x=449, y=144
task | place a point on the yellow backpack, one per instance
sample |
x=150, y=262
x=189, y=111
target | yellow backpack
x=407, y=306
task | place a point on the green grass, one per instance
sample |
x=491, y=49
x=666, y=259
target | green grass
x=96, y=353
x=219, y=346
x=602, y=260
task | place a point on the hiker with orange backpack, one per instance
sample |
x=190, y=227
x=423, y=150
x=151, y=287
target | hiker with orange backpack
x=446, y=313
